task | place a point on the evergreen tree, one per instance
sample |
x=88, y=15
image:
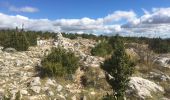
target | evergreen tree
x=120, y=68
x=16, y=39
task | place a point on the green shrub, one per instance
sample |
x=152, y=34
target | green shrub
x=92, y=79
x=60, y=63
x=70, y=35
x=102, y=49
x=120, y=67
x=159, y=45
x=16, y=40
x=18, y=96
x=108, y=97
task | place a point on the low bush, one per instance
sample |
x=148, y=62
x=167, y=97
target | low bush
x=108, y=97
x=60, y=63
x=102, y=49
x=94, y=78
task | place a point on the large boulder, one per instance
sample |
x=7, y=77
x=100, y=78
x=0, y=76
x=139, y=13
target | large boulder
x=163, y=61
x=143, y=87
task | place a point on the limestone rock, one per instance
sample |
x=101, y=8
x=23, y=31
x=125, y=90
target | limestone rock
x=73, y=98
x=1, y=93
x=10, y=50
x=143, y=87
x=27, y=67
x=59, y=88
x=36, y=89
x=50, y=82
x=163, y=61
x=133, y=55
x=35, y=81
x=50, y=93
x=161, y=76
x=25, y=92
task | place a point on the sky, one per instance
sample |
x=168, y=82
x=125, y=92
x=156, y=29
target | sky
x=149, y=18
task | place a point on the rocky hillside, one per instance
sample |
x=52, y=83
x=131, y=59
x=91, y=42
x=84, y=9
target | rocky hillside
x=19, y=73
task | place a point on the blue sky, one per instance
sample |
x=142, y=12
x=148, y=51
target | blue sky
x=54, y=9
x=126, y=17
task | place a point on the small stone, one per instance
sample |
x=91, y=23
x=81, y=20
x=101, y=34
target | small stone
x=25, y=92
x=35, y=81
x=1, y=92
x=73, y=98
x=13, y=91
x=92, y=93
x=50, y=93
x=36, y=89
x=27, y=67
x=84, y=98
x=45, y=88
x=50, y=82
x=59, y=88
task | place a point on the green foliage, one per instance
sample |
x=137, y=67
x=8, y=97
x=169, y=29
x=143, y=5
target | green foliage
x=88, y=36
x=21, y=40
x=159, y=45
x=92, y=79
x=6, y=98
x=9, y=96
x=112, y=41
x=102, y=49
x=84, y=35
x=120, y=68
x=18, y=96
x=45, y=35
x=16, y=40
x=70, y=35
x=31, y=37
x=59, y=63
x=108, y=97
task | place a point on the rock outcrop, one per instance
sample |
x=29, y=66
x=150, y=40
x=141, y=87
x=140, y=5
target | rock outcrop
x=163, y=60
x=143, y=87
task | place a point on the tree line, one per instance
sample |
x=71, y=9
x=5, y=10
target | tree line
x=21, y=40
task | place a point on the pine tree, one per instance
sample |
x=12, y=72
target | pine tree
x=17, y=40
x=120, y=68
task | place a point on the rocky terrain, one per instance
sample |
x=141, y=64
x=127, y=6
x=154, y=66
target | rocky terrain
x=18, y=73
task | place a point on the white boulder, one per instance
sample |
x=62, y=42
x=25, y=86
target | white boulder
x=143, y=87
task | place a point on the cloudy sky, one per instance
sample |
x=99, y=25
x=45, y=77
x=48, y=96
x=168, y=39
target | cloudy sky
x=126, y=17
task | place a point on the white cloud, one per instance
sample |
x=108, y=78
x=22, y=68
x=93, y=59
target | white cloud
x=23, y=9
x=119, y=15
x=13, y=8
x=152, y=24
x=99, y=25
x=9, y=21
